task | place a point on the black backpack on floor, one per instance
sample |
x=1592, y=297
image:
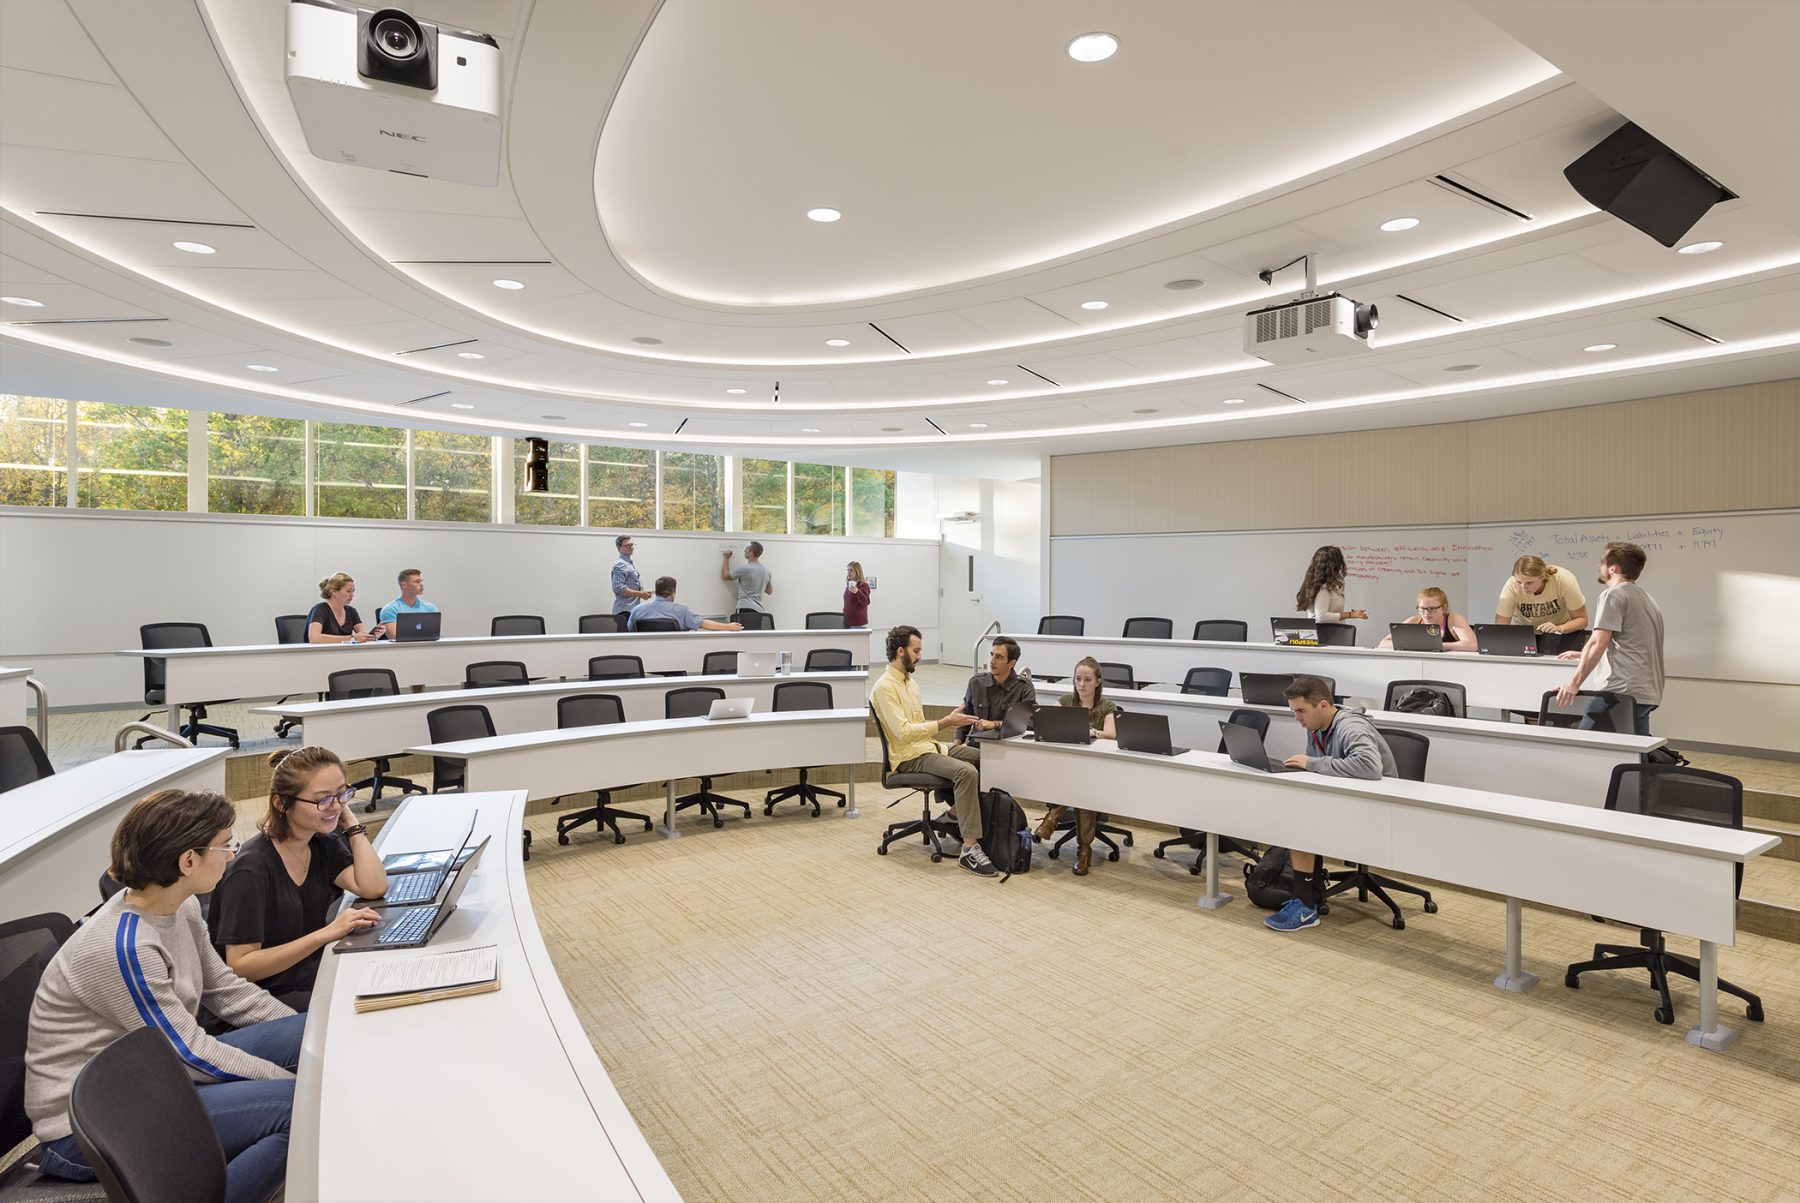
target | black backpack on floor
x=1269, y=883
x=1005, y=836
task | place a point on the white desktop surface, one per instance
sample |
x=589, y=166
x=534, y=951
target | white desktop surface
x=15, y=698
x=56, y=834
x=489, y=1098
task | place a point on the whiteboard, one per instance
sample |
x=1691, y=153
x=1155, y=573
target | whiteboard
x=1728, y=584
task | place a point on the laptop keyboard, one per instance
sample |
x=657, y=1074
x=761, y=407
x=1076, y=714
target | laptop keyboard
x=412, y=926
x=414, y=887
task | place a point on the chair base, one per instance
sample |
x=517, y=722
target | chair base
x=192, y=729
x=709, y=802
x=806, y=791
x=1197, y=841
x=382, y=780
x=1102, y=832
x=1365, y=883
x=1652, y=954
x=601, y=815
x=927, y=829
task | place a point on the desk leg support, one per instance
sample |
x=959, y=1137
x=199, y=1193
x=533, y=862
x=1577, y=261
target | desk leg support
x=1515, y=979
x=1214, y=897
x=850, y=811
x=667, y=830
x=172, y=721
x=1709, y=1034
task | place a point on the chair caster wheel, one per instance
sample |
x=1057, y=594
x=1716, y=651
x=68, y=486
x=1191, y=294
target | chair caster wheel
x=647, y=825
x=562, y=839
x=815, y=812
x=369, y=807
x=881, y=851
x=1430, y=907
x=1665, y=1015
x=1053, y=854
x=1399, y=923
x=1572, y=981
x=1195, y=868
x=1158, y=854
x=619, y=838
x=1753, y=1014
x=767, y=811
x=1113, y=855
x=718, y=823
x=936, y=857
x=1129, y=843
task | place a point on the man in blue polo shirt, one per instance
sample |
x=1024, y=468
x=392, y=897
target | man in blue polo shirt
x=664, y=605
x=412, y=584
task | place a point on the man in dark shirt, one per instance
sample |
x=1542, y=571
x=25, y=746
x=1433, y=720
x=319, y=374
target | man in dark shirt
x=991, y=694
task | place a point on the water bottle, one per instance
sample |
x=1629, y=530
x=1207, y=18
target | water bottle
x=784, y=664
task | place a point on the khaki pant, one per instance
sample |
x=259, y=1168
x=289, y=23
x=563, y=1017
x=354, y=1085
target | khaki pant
x=1087, y=822
x=959, y=769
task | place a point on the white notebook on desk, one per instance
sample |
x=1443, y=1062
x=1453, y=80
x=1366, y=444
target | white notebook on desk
x=400, y=981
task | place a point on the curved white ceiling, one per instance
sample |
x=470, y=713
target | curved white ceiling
x=960, y=141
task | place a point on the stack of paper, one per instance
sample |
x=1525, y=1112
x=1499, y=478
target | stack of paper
x=401, y=981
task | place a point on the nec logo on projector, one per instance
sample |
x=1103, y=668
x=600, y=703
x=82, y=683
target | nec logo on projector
x=359, y=77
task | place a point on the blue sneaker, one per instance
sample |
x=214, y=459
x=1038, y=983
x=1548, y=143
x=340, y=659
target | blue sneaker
x=1293, y=916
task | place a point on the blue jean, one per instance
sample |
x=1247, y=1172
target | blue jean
x=250, y=1118
x=1599, y=706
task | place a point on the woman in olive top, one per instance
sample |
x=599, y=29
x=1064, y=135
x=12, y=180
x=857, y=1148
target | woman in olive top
x=1543, y=597
x=270, y=915
x=1089, y=696
x=1322, y=591
x=335, y=620
x=1434, y=609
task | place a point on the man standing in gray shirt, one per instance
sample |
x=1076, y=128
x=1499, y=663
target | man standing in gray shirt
x=1628, y=633
x=628, y=589
x=751, y=578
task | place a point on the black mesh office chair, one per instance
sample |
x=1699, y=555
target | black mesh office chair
x=1227, y=630
x=615, y=668
x=1455, y=692
x=1117, y=676
x=1258, y=722
x=1062, y=624
x=929, y=787
x=1669, y=791
x=1148, y=628
x=146, y=1153
x=1410, y=753
x=487, y=674
x=693, y=701
x=829, y=659
x=371, y=683
x=593, y=710
x=596, y=624
x=1618, y=716
x=754, y=620
x=1337, y=634
x=1268, y=689
x=1209, y=682
x=22, y=758
x=448, y=724
x=719, y=664
x=657, y=625
x=801, y=695
x=517, y=624
x=157, y=636
x=825, y=620
x=289, y=628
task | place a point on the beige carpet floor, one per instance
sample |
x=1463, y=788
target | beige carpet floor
x=791, y=1017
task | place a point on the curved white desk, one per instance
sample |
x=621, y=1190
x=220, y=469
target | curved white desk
x=493, y=1097
x=546, y=764
x=359, y=727
x=1678, y=877
x=1542, y=762
x=1492, y=682
x=15, y=698
x=56, y=834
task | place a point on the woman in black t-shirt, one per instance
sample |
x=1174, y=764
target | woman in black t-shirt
x=335, y=620
x=270, y=915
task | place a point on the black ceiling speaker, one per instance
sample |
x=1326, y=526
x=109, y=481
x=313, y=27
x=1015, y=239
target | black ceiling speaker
x=1645, y=184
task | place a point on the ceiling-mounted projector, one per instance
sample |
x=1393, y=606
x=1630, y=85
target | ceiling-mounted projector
x=1309, y=329
x=379, y=88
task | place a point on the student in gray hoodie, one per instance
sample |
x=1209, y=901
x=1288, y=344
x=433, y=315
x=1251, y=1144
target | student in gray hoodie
x=1340, y=742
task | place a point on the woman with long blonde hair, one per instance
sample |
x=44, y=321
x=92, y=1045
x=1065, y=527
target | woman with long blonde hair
x=1543, y=597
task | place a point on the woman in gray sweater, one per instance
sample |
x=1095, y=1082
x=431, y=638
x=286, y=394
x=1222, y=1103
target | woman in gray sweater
x=144, y=958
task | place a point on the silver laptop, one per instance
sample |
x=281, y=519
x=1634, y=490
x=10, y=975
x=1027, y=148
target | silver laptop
x=1416, y=636
x=731, y=708
x=413, y=926
x=1245, y=747
x=757, y=664
x=415, y=877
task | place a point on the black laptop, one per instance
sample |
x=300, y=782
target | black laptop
x=1245, y=747
x=1416, y=636
x=1063, y=725
x=413, y=926
x=1145, y=733
x=1505, y=639
x=1295, y=632
x=1016, y=721
x=418, y=628
x=422, y=883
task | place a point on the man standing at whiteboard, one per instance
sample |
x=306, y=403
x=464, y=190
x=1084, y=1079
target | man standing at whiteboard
x=1628, y=633
x=751, y=578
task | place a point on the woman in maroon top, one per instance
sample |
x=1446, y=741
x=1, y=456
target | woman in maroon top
x=856, y=596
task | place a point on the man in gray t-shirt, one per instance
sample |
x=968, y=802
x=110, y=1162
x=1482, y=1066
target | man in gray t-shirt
x=750, y=577
x=1628, y=634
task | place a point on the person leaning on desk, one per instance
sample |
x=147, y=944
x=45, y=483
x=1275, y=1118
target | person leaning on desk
x=335, y=620
x=1543, y=597
x=664, y=605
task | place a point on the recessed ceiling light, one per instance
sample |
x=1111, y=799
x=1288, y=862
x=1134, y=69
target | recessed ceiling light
x=809, y=430
x=470, y=355
x=261, y=367
x=1601, y=347
x=826, y=215
x=1699, y=248
x=639, y=425
x=978, y=425
x=553, y=417
x=1093, y=47
x=1232, y=401
x=737, y=392
x=644, y=340
x=509, y=285
x=997, y=382
x=1462, y=367
x=27, y=302
x=890, y=430
x=837, y=342
x=1396, y=224
x=1095, y=305
x=1185, y=284
x=194, y=248
x=1146, y=411
x=461, y=405
x=151, y=342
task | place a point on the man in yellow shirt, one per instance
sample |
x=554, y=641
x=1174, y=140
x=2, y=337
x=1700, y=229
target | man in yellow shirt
x=913, y=750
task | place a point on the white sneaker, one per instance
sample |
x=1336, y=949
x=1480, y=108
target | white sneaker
x=976, y=861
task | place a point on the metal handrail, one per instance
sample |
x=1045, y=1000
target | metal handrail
x=43, y=711
x=993, y=628
x=151, y=729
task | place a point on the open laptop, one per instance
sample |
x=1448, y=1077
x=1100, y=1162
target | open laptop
x=1063, y=725
x=1417, y=636
x=1505, y=639
x=1295, y=632
x=418, y=628
x=413, y=926
x=730, y=708
x=1245, y=747
x=1145, y=733
x=1016, y=721
x=422, y=865
x=757, y=664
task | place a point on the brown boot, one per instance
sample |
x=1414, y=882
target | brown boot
x=1047, y=827
x=1084, y=857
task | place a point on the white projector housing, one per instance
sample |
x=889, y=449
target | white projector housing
x=450, y=132
x=1306, y=330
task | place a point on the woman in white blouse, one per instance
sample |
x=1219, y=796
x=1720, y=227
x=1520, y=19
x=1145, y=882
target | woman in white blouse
x=1322, y=592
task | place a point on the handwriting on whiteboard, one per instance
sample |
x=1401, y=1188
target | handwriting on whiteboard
x=1587, y=544
x=1370, y=562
